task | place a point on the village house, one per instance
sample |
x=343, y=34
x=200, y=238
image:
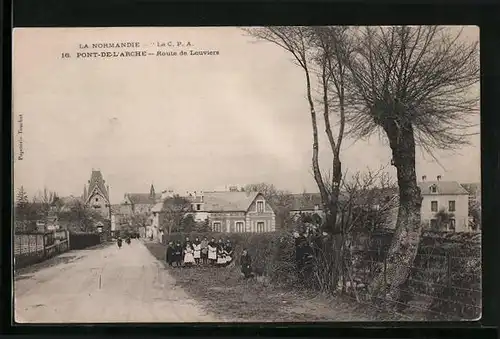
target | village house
x=448, y=197
x=306, y=204
x=238, y=212
x=135, y=204
x=225, y=211
x=383, y=200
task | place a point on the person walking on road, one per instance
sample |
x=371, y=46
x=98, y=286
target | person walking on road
x=212, y=251
x=119, y=242
x=204, y=251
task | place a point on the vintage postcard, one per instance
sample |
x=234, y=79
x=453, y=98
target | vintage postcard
x=237, y=174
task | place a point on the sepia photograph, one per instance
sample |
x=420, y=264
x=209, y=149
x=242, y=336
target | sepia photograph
x=246, y=174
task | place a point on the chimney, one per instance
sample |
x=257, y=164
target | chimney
x=438, y=177
x=424, y=177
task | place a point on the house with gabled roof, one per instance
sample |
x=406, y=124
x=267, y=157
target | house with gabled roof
x=96, y=196
x=228, y=212
x=445, y=196
x=238, y=212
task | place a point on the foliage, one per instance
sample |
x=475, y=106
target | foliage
x=173, y=212
x=443, y=219
x=79, y=217
x=475, y=213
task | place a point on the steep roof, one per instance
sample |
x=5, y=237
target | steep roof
x=472, y=188
x=157, y=207
x=305, y=201
x=142, y=198
x=228, y=201
x=96, y=181
x=308, y=201
x=120, y=209
x=443, y=187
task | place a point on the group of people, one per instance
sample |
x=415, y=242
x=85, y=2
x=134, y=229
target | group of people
x=198, y=252
x=119, y=241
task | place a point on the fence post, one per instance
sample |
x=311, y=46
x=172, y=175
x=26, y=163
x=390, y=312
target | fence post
x=448, y=271
x=385, y=272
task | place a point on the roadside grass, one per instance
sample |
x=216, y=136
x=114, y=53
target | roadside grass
x=226, y=294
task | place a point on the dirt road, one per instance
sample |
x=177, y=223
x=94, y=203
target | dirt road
x=105, y=285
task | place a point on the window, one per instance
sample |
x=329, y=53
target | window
x=434, y=224
x=451, y=206
x=434, y=206
x=433, y=189
x=96, y=199
x=216, y=226
x=198, y=207
x=260, y=206
x=240, y=227
x=260, y=227
x=452, y=224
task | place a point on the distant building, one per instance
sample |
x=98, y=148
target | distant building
x=96, y=196
x=438, y=196
x=225, y=211
x=449, y=197
x=238, y=212
x=306, y=204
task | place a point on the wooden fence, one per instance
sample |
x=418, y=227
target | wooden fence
x=30, y=248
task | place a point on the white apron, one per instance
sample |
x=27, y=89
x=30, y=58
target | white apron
x=212, y=252
x=197, y=251
x=188, y=256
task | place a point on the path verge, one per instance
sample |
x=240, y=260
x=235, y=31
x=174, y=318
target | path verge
x=224, y=292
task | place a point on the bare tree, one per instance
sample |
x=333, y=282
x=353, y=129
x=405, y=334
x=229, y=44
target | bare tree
x=174, y=210
x=321, y=52
x=414, y=84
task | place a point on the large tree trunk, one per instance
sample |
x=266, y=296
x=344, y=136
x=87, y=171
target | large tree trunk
x=405, y=242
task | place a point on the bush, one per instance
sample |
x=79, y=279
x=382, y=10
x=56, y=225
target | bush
x=273, y=254
x=78, y=241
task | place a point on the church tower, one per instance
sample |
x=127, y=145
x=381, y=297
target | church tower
x=152, y=194
x=97, y=196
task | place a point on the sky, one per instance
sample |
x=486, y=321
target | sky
x=178, y=122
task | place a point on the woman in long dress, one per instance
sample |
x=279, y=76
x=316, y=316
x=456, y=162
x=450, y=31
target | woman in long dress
x=188, y=254
x=204, y=251
x=221, y=253
x=197, y=251
x=178, y=254
x=212, y=251
x=228, y=248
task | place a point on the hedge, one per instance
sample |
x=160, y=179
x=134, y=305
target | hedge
x=273, y=254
